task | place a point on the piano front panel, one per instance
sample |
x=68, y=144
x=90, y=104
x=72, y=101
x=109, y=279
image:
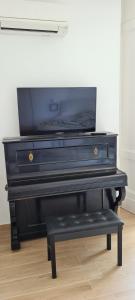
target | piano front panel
x=43, y=156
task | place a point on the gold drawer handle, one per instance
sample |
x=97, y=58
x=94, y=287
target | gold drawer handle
x=31, y=157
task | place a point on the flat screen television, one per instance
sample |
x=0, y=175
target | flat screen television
x=51, y=110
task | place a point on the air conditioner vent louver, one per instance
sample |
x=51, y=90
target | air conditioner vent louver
x=28, y=30
x=33, y=26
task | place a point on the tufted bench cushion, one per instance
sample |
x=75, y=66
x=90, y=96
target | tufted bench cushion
x=104, y=221
x=84, y=221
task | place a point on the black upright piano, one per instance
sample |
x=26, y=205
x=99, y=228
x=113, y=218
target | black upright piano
x=57, y=174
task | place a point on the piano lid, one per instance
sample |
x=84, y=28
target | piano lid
x=57, y=135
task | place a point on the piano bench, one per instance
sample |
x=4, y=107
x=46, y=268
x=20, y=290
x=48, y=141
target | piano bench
x=103, y=221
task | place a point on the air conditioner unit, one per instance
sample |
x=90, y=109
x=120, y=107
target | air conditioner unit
x=33, y=26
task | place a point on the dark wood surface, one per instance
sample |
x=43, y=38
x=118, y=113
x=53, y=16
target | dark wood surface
x=51, y=156
x=55, y=174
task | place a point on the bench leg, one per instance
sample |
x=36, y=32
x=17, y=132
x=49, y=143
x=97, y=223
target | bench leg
x=108, y=241
x=48, y=248
x=53, y=257
x=119, y=241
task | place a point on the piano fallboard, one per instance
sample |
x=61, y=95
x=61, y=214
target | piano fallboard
x=69, y=186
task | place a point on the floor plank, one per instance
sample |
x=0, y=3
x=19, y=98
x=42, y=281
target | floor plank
x=85, y=269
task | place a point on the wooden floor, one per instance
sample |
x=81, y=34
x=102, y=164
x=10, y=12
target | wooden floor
x=85, y=269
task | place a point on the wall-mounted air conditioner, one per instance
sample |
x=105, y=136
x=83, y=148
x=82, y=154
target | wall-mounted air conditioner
x=33, y=26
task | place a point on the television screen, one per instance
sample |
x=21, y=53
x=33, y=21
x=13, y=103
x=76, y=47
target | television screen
x=44, y=110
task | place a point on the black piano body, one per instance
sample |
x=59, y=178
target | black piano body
x=58, y=174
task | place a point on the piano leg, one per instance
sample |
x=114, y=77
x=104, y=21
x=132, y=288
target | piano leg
x=15, y=243
x=121, y=195
x=114, y=199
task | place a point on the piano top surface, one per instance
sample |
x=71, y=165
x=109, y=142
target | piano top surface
x=57, y=135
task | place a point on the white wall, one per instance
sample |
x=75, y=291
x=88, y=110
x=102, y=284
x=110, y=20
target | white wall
x=87, y=56
x=127, y=106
